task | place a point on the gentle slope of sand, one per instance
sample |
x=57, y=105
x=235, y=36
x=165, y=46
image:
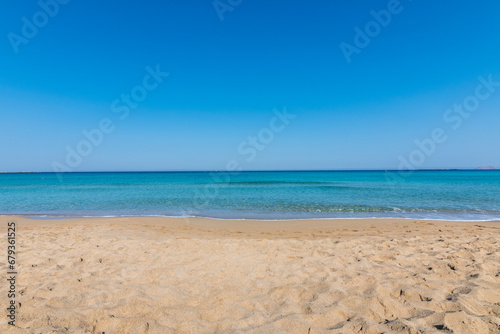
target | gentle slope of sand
x=174, y=275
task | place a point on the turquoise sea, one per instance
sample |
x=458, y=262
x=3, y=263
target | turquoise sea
x=453, y=195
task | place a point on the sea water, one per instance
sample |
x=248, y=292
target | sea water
x=451, y=195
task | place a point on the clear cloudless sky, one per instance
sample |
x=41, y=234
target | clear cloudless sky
x=226, y=77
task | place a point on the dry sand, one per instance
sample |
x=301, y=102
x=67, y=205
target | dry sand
x=174, y=275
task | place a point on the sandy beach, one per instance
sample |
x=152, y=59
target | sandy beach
x=180, y=275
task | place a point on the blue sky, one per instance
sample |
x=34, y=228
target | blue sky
x=227, y=76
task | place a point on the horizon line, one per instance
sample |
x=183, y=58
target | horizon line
x=258, y=170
